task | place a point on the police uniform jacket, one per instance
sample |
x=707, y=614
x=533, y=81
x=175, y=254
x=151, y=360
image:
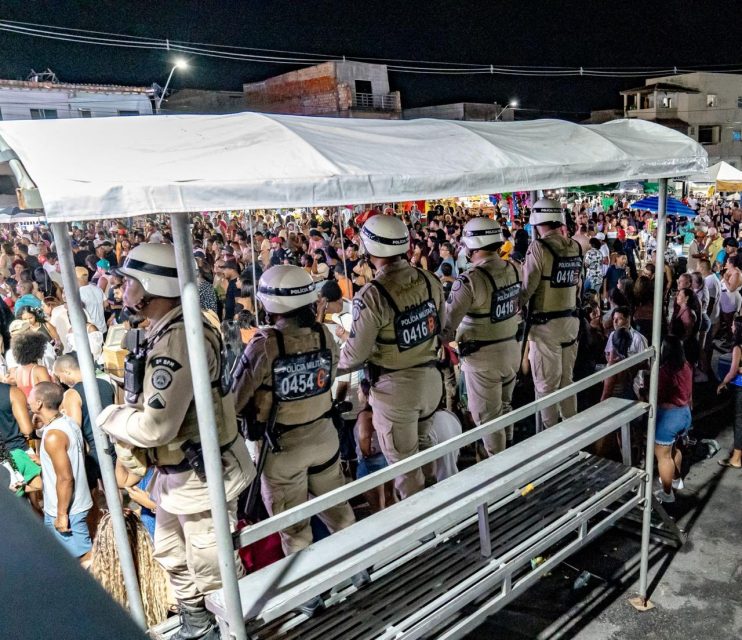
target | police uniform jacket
x=538, y=289
x=253, y=379
x=477, y=311
x=164, y=416
x=373, y=337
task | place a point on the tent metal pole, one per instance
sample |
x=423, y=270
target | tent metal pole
x=193, y=321
x=653, y=385
x=254, y=271
x=92, y=398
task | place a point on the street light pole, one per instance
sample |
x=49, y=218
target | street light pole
x=179, y=64
x=513, y=104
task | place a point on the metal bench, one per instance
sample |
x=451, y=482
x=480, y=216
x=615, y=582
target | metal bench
x=409, y=536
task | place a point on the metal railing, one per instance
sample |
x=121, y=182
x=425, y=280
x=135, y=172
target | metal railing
x=375, y=101
x=319, y=504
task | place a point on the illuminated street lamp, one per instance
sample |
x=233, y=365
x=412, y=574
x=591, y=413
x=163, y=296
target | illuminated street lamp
x=179, y=64
x=513, y=104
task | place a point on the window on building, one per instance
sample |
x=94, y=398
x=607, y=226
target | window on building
x=85, y=113
x=128, y=112
x=363, y=86
x=1, y=114
x=709, y=134
x=667, y=102
x=739, y=102
x=43, y=114
x=712, y=100
x=737, y=135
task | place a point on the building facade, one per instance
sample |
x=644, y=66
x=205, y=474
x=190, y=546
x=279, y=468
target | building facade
x=342, y=89
x=203, y=101
x=705, y=106
x=43, y=99
x=470, y=111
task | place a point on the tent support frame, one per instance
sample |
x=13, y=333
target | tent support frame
x=92, y=399
x=202, y=394
x=659, y=280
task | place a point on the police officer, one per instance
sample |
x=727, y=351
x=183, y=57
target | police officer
x=282, y=383
x=551, y=284
x=482, y=313
x=396, y=325
x=159, y=420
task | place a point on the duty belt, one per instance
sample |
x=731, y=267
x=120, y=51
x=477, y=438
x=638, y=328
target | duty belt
x=542, y=317
x=285, y=428
x=472, y=346
x=185, y=465
x=375, y=371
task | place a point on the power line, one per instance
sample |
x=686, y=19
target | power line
x=220, y=51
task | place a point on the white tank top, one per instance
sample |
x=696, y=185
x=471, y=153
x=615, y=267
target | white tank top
x=81, y=500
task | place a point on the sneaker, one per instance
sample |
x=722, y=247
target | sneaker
x=312, y=606
x=678, y=484
x=361, y=579
x=663, y=497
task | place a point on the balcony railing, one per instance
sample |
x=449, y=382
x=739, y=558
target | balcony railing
x=375, y=101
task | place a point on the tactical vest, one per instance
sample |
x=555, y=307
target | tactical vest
x=498, y=320
x=411, y=338
x=170, y=454
x=301, y=382
x=558, y=292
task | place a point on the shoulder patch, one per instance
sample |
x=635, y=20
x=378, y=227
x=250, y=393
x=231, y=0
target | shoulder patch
x=358, y=306
x=156, y=402
x=457, y=284
x=161, y=379
x=165, y=361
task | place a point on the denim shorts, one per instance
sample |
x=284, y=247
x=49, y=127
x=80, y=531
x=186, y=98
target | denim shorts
x=670, y=424
x=367, y=466
x=77, y=541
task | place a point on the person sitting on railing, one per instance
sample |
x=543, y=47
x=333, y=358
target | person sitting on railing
x=673, y=414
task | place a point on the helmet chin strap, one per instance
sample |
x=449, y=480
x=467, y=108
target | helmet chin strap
x=139, y=306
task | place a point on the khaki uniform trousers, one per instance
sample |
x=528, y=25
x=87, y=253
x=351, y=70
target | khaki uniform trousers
x=552, y=364
x=489, y=375
x=403, y=404
x=300, y=471
x=185, y=546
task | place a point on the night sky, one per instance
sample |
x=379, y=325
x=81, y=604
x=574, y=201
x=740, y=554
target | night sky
x=525, y=32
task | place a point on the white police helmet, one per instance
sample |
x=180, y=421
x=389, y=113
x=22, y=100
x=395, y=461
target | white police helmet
x=546, y=210
x=285, y=288
x=481, y=232
x=153, y=266
x=385, y=236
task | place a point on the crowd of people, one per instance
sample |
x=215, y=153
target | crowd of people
x=408, y=326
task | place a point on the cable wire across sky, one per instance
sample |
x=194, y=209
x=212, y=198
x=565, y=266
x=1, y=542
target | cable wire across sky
x=277, y=56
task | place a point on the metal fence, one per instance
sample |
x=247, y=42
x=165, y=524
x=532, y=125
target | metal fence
x=375, y=101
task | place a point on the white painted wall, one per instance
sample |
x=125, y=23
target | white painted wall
x=16, y=103
x=350, y=71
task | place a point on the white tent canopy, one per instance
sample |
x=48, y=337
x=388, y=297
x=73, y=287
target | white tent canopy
x=113, y=167
x=722, y=174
